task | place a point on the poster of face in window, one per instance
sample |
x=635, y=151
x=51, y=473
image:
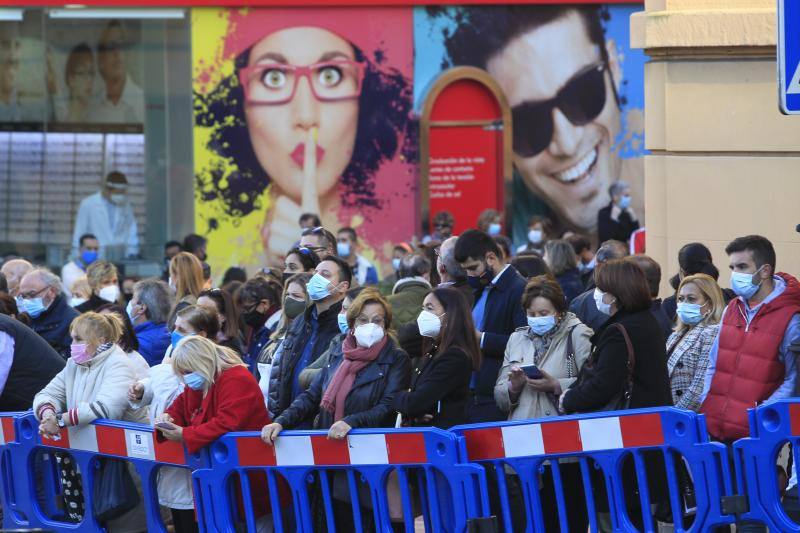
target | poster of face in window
x=95, y=72
x=575, y=89
x=71, y=74
x=302, y=110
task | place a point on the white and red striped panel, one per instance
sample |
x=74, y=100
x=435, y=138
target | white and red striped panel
x=565, y=436
x=318, y=450
x=132, y=443
x=7, y=433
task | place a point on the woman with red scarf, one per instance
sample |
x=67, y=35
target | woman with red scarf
x=357, y=387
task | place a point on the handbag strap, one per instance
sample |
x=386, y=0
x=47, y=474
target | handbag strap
x=631, y=354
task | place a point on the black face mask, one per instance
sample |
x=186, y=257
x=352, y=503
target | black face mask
x=479, y=282
x=285, y=276
x=254, y=318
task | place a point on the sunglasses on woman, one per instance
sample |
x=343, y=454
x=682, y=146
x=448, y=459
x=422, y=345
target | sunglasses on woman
x=581, y=100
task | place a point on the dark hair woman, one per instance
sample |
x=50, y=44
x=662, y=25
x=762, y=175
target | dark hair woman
x=220, y=303
x=440, y=381
x=630, y=335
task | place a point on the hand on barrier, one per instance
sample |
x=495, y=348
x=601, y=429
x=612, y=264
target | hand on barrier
x=270, y=432
x=136, y=392
x=49, y=425
x=339, y=430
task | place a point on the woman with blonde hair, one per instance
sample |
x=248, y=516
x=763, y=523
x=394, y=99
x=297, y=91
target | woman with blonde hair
x=103, y=280
x=700, y=307
x=221, y=395
x=92, y=385
x=186, y=279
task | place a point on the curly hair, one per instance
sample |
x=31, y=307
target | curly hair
x=384, y=121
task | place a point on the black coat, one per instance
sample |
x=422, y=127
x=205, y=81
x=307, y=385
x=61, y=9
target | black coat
x=297, y=336
x=369, y=403
x=619, y=230
x=610, y=358
x=663, y=320
x=571, y=284
x=92, y=304
x=439, y=387
x=53, y=325
x=503, y=315
x=34, y=364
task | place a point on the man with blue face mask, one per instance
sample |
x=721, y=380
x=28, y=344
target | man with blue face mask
x=617, y=220
x=347, y=247
x=41, y=298
x=88, y=252
x=310, y=334
x=751, y=361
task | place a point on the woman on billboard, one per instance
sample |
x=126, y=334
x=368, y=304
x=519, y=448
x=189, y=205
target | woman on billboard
x=315, y=122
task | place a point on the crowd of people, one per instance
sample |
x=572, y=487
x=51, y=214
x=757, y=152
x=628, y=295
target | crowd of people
x=464, y=330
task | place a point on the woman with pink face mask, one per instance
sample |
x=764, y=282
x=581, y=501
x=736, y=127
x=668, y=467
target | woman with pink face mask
x=94, y=384
x=319, y=108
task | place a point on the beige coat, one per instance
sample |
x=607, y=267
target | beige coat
x=519, y=352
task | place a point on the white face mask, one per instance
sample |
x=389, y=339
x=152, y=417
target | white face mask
x=430, y=325
x=367, y=335
x=535, y=236
x=76, y=301
x=109, y=293
x=117, y=198
x=601, y=305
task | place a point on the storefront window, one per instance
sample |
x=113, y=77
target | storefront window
x=82, y=97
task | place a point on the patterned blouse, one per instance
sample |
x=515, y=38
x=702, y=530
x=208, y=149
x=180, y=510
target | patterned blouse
x=687, y=353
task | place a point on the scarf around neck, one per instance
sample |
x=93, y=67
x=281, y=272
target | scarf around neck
x=355, y=359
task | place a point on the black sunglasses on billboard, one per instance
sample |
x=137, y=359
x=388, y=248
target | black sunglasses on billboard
x=581, y=100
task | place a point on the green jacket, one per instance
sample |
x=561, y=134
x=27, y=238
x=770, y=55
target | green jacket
x=407, y=300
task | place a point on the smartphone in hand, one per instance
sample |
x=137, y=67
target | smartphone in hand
x=532, y=371
x=165, y=425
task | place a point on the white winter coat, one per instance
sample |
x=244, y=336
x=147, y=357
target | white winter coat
x=160, y=390
x=97, y=389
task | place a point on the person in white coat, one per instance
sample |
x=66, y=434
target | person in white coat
x=92, y=385
x=108, y=215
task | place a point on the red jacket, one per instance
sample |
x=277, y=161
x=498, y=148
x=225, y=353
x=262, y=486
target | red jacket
x=748, y=369
x=233, y=403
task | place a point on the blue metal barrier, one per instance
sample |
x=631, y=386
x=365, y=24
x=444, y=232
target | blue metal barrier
x=28, y=466
x=772, y=426
x=306, y=473
x=600, y=444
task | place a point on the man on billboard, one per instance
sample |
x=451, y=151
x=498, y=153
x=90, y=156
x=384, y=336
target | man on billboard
x=561, y=79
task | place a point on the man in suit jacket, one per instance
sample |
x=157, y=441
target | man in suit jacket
x=497, y=312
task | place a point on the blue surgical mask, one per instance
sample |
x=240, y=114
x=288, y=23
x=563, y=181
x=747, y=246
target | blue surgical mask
x=742, y=284
x=625, y=202
x=494, y=229
x=690, y=313
x=535, y=236
x=396, y=264
x=194, y=380
x=88, y=257
x=317, y=288
x=176, y=338
x=343, y=249
x=540, y=325
x=33, y=306
x=342, y=319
